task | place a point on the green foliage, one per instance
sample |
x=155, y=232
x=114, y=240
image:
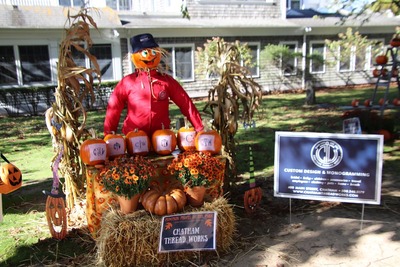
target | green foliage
x=278, y=54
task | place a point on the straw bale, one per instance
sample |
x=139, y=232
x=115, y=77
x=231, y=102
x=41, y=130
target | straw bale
x=132, y=239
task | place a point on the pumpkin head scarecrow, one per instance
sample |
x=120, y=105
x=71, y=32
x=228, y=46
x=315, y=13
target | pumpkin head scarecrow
x=146, y=93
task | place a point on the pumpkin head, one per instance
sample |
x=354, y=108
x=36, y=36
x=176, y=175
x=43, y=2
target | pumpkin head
x=164, y=141
x=208, y=141
x=93, y=151
x=138, y=142
x=115, y=145
x=56, y=217
x=11, y=178
x=252, y=199
x=148, y=58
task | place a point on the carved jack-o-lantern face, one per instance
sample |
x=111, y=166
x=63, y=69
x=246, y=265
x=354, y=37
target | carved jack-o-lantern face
x=11, y=178
x=56, y=217
x=147, y=58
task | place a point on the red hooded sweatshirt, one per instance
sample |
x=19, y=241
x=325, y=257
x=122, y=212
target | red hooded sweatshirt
x=146, y=96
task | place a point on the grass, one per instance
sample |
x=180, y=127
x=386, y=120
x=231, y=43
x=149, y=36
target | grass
x=24, y=236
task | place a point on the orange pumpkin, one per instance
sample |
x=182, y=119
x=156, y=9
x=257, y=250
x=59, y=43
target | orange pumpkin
x=186, y=137
x=355, y=102
x=376, y=73
x=115, y=145
x=368, y=103
x=396, y=102
x=163, y=199
x=381, y=59
x=252, y=199
x=148, y=58
x=93, y=151
x=395, y=72
x=208, y=141
x=138, y=142
x=56, y=217
x=382, y=102
x=395, y=42
x=164, y=141
x=11, y=178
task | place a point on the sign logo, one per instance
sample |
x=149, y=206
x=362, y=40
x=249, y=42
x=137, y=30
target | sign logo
x=326, y=154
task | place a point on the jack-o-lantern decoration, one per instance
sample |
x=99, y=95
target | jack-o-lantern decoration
x=252, y=199
x=56, y=216
x=11, y=177
x=148, y=58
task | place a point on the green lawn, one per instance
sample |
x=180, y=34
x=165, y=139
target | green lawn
x=24, y=236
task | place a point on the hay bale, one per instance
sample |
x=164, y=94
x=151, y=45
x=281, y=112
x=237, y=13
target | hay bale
x=132, y=239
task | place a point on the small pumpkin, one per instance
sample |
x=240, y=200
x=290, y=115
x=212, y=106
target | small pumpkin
x=138, y=142
x=252, y=199
x=148, y=58
x=395, y=72
x=382, y=102
x=164, y=141
x=208, y=141
x=396, y=102
x=115, y=145
x=186, y=137
x=376, y=72
x=381, y=59
x=355, y=103
x=368, y=103
x=56, y=217
x=93, y=151
x=164, y=198
x=395, y=42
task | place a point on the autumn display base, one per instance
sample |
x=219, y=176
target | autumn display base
x=132, y=239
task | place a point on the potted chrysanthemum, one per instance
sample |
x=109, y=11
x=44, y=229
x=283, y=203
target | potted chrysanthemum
x=127, y=177
x=196, y=171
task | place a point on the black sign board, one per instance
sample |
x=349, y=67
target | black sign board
x=332, y=167
x=188, y=231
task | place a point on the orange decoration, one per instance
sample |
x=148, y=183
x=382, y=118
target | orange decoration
x=376, y=73
x=148, y=58
x=368, y=103
x=11, y=178
x=56, y=217
x=93, y=151
x=115, y=145
x=186, y=137
x=138, y=142
x=381, y=59
x=396, y=102
x=164, y=199
x=164, y=141
x=355, y=103
x=208, y=141
x=252, y=199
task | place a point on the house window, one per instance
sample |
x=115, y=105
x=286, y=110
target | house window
x=76, y=3
x=119, y=4
x=293, y=4
x=180, y=61
x=354, y=58
x=317, y=50
x=103, y=54
x=35, y=63
x=289, y=59
x=255, y=52
x=8, y=69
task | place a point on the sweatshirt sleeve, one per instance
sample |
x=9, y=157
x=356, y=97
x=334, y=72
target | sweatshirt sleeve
x=179, y=96
x=116, y=104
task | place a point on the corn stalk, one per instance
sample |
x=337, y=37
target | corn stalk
x=235, y=97
x=74, y=84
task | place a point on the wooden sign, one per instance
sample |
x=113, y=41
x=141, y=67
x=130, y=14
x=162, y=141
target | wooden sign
x=188, y=231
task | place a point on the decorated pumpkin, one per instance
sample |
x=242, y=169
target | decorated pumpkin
x=93, y=151
x=138, y=142
x=56, y=217
x=164, y=141
x=11, y=178
x=115, y=145
x=355, y=103
x=164, y=198
x=186, y=137
x=208, y=141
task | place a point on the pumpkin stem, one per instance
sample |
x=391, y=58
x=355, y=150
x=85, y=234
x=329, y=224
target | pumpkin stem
x=92, y=133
